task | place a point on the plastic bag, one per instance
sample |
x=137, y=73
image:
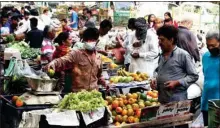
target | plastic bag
x=194, y=91
x=15, y=81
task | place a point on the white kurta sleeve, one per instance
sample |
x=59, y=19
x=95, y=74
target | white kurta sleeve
x=22, y=28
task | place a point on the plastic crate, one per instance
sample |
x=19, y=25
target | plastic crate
x=214, y=113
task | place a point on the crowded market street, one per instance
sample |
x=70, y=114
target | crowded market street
x=109, y=64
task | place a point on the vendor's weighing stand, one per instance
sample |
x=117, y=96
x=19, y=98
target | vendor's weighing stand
x=35, y=99
x=11, y=115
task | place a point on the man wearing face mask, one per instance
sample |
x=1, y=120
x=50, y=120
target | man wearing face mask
x=86, y=63
x=211, y=70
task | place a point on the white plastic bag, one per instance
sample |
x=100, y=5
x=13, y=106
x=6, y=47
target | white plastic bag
x=194, y=91
x=23, y=69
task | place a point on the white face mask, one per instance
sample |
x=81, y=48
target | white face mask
x=91, y=46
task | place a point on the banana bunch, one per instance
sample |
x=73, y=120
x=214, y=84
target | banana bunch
x=122, y=72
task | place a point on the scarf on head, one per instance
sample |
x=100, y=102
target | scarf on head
x=141, y=29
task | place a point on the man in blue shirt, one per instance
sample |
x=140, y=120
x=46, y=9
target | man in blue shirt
x=73, y=19
x=5, y=22
x=211, y=70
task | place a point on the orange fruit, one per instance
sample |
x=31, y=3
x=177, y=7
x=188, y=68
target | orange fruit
x=136, y=120
x=120, y=99
x=117, y=124
x=131, y=119
x=150, y=93
x=131, y=101
x=118, y=109
x=124, y=118
x=118, y=118
x=124, y=112
x=115, y=104
x=141, y=105
x=109, y=99
x=155, y=91
x=154, y=95
x=135, y=100
x=19, y=103
x=123, y=97
x=129, y=95
x=134, y=95
x=138, y=113
x=135, y=106
x=130, y=112
x=14, y=98
x=125, y=101
x=114, y=113
x=121, y=103
x=129, y=106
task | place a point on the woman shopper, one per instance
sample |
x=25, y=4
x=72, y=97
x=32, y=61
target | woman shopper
x=168, y=17
x=150, y=20
x=64, y=40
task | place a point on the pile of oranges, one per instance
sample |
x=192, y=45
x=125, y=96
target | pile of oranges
x=17, y=101
x=125, y=108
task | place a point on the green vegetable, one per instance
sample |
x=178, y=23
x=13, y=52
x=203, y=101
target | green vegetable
x=83, y=101
x=10, y=38
x=26, y=51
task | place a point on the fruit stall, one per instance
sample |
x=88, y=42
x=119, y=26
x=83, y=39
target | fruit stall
x=33, y=98
x=123, y=81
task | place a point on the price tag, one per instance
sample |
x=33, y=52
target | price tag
x=183, y=107
x=90, y=117
x=166, y=110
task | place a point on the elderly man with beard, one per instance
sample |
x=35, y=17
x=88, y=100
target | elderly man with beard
x=143, y=49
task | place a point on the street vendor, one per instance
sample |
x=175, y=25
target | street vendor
x=86, y=63
x=175, y=71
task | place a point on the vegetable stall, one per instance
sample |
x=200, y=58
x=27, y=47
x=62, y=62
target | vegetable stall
x=32, y=98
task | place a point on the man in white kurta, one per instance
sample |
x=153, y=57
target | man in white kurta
x=147, y=59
